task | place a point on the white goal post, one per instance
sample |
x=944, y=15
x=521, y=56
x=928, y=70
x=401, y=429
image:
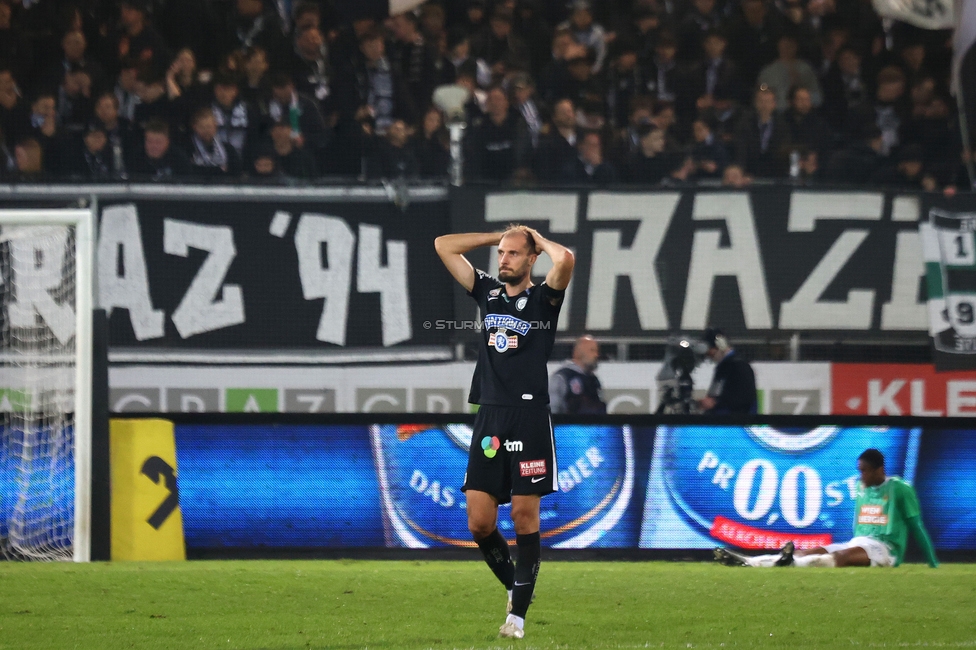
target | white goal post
x=46, y=296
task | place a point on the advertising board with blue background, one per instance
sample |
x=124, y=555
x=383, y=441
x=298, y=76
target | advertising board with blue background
x=275, y=486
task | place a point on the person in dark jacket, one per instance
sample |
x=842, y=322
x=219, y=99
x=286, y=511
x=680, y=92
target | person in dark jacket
x=500, y=143
x=733, y=387
x=159, y=160
x=575, y=388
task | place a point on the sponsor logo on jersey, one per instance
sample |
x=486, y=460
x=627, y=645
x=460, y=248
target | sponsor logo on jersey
x=490, y=445
x=532, y=467
x=504, y=321
x=520, y=303
x=872, y=515
x=513, y=445
x=502, y=341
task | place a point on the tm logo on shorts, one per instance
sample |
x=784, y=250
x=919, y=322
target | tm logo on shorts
x=490, y=444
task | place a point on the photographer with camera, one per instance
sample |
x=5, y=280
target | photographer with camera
x=733, y=387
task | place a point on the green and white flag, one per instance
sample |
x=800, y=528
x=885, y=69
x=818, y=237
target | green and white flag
x=949, y=248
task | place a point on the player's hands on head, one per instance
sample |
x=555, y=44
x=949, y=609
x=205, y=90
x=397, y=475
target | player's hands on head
x=536, y=237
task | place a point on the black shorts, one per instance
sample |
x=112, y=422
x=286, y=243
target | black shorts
x=512, y=452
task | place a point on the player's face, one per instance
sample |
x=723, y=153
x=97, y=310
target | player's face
x=514, y=259
x=870, y=476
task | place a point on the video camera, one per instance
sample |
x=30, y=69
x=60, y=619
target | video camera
x=682, y=354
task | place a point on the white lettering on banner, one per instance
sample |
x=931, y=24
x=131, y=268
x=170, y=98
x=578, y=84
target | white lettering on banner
x=741, y=260
x=611, y=261
x=37, y=267
x=905, y=311
x=557, y=209
x=200, y=310
x=881, y=399
x=961, y=398
x=389, y=281
x=123, y=278
x=326, y=278
x=805, y=310
x=918, y=400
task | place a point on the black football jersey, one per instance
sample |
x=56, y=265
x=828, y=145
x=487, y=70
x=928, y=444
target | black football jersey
x=518, y=334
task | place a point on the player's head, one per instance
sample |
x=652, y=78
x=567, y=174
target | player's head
x=516, y=254
x=586, y=353
x=717, y=342
x=870, y=464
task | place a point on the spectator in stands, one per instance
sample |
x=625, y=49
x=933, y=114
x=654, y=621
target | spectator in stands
x=183, y=86
x=714, y=73
x=531, y=26
x=290, y=160
x=735, y=176
x=256, y=87
x=528, y=106
x=587, y=32
x=210, y=156
x=499, y=143
x=649, y=164
x=125, y=89
x=374, y=91
x=44, y=128
x=762, y=138
x=702, y=19
x=787, y=72
x=264, y=167
x=413, y=60
x=913, y=61
x=74, y=100
x=237, y=120
x=889, y=112
x=708, y=154
x=432, y=147
x=581, y=85
x=591, y=169
x=15, y=46
x=641, y=111
x=859, y=162
x=153, y=100
x=393, y=156
x=8, y=164
x=74, y=45
x=29, y=157
x=499, y=46
x=556, y=156
x=308, y=129
x=251, y=24
x=626, y=81
x=91, y=157
x=845, y=89
x=807, y=128
x=117, y=130
x=664, y=76
x=644, y=30
x=752, y=39
x=158, y=160
x=14, y=113
x=312, y=71
x=137, y=39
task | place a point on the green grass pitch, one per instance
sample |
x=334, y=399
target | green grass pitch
x=387, y=604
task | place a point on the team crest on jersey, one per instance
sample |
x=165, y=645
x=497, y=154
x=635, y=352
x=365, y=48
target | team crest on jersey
x=502, y=341
x=494, y=292
x=520, y=303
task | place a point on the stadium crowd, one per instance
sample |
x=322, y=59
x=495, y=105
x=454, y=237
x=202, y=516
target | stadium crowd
x=617, y=91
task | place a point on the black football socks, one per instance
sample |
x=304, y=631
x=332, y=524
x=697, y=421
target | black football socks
x=526, y=572
x=495, y=549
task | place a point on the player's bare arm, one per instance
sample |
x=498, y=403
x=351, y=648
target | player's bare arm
x=451, y=250
x=563, y=261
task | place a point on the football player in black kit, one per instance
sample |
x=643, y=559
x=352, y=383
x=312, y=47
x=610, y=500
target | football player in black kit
x=512, y=456
x=733, y=387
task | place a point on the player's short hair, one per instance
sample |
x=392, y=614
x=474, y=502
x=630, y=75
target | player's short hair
x=872, y=457
x=514, y=228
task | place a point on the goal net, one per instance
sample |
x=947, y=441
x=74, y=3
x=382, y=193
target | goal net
x=45, y=384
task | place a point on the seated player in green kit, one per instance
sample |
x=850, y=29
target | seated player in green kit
x=885, y=511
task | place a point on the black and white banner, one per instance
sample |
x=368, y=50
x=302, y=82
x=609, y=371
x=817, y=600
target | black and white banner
x=245, y=274
x=760, y=262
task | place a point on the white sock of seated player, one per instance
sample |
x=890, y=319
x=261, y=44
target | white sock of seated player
x=824, y=560
x=763, y=560
x=518, y=620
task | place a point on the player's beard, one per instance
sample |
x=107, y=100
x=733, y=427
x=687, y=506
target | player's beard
x=510, y=277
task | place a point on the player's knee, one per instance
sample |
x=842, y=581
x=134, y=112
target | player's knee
x=480, y=527
x=526, y=519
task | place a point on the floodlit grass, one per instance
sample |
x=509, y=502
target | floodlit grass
x=360, y=604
